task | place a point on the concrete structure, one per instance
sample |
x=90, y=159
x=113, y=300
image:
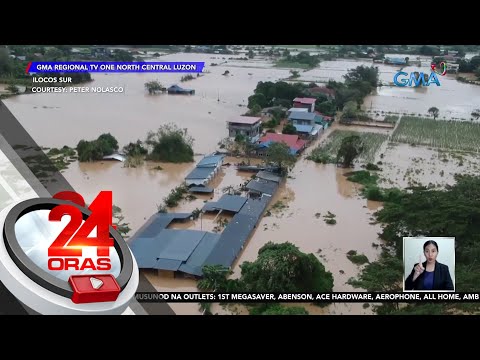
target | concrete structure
x=307, y=103
x=305, y=123
x=248, y=126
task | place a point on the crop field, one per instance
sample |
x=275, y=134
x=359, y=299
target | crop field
x=453, y=135
x=371, y=141
x=391, y=119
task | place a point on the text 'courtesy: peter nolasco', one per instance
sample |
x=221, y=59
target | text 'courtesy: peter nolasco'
x=63, y=85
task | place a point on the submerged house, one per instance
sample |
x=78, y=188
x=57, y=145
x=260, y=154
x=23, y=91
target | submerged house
x=294, y=142
x=248, y=126
x=184, y=253
x=204, y=171
x=175, y=89
x=396, y=61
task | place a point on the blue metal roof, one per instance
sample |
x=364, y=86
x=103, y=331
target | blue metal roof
x=179, y=244
x=200, y=173
x=304, y=128
x=226, y=202
x=211, y=161
x=167, y=264
x=263, y=186
x=255, y=207
x=297, y=115
x=196, y=261
x=144, y=250
x=232, y=240
x=268, y=175
x=178, y=88
x=200, y=189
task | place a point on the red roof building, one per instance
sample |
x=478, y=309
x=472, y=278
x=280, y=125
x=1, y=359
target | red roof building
x=293, y=141
x=307, y=103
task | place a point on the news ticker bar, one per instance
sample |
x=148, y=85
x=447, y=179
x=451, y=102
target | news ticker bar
x=341, y=297
x=113, y=66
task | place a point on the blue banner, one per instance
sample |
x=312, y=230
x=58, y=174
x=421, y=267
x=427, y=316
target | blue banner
x=114, y=67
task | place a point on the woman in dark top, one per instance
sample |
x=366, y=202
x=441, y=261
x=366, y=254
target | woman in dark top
x=429, y=275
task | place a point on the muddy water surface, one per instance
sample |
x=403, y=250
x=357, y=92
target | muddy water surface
x=55, y=120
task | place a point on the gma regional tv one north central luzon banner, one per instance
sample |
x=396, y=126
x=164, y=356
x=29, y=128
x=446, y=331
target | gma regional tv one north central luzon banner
x=339, y=297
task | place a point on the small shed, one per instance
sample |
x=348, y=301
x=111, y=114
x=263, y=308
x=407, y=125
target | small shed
x=117, y=157
x=199, y=176
x=175, y=89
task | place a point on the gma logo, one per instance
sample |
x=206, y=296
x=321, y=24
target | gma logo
x=403, y=79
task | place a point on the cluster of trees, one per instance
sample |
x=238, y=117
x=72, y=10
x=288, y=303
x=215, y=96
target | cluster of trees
x=303, y=58
x=105, y=144
x=154, y=86
x=281, y=93
x=454, y=210
x=279, y=155
x=472, y=65
x=279, y=268
x=359, y=82
x=14, y=69
x=170, y=144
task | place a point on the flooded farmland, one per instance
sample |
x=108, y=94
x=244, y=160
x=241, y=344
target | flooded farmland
x=311, y=189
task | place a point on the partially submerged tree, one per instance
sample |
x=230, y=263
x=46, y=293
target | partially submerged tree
x=106, y=144
x=13, y=89
x=170, y=144
x=350, y=148
x=284, y=268
x=454, y=210
x=214, y=278
x=434, y=112
x=279, y=154
x=153, y=86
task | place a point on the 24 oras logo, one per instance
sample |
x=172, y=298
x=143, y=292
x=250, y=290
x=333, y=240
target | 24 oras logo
x=60, y=257
x=67, y=251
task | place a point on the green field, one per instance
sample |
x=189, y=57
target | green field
x=391, y=119
x=453, y=135
x=371, y=141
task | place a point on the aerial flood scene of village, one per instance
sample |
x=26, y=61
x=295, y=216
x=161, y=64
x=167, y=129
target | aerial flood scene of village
x=278, y=168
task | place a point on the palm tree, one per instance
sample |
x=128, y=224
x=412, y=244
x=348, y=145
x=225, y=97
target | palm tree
x=228, y=189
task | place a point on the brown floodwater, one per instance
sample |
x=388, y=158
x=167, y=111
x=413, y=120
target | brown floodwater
x=137, y=191
x=55, y=120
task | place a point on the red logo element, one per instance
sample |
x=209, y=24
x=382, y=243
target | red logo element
x=27, y=70
x=75, y=236
x=94, y=288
